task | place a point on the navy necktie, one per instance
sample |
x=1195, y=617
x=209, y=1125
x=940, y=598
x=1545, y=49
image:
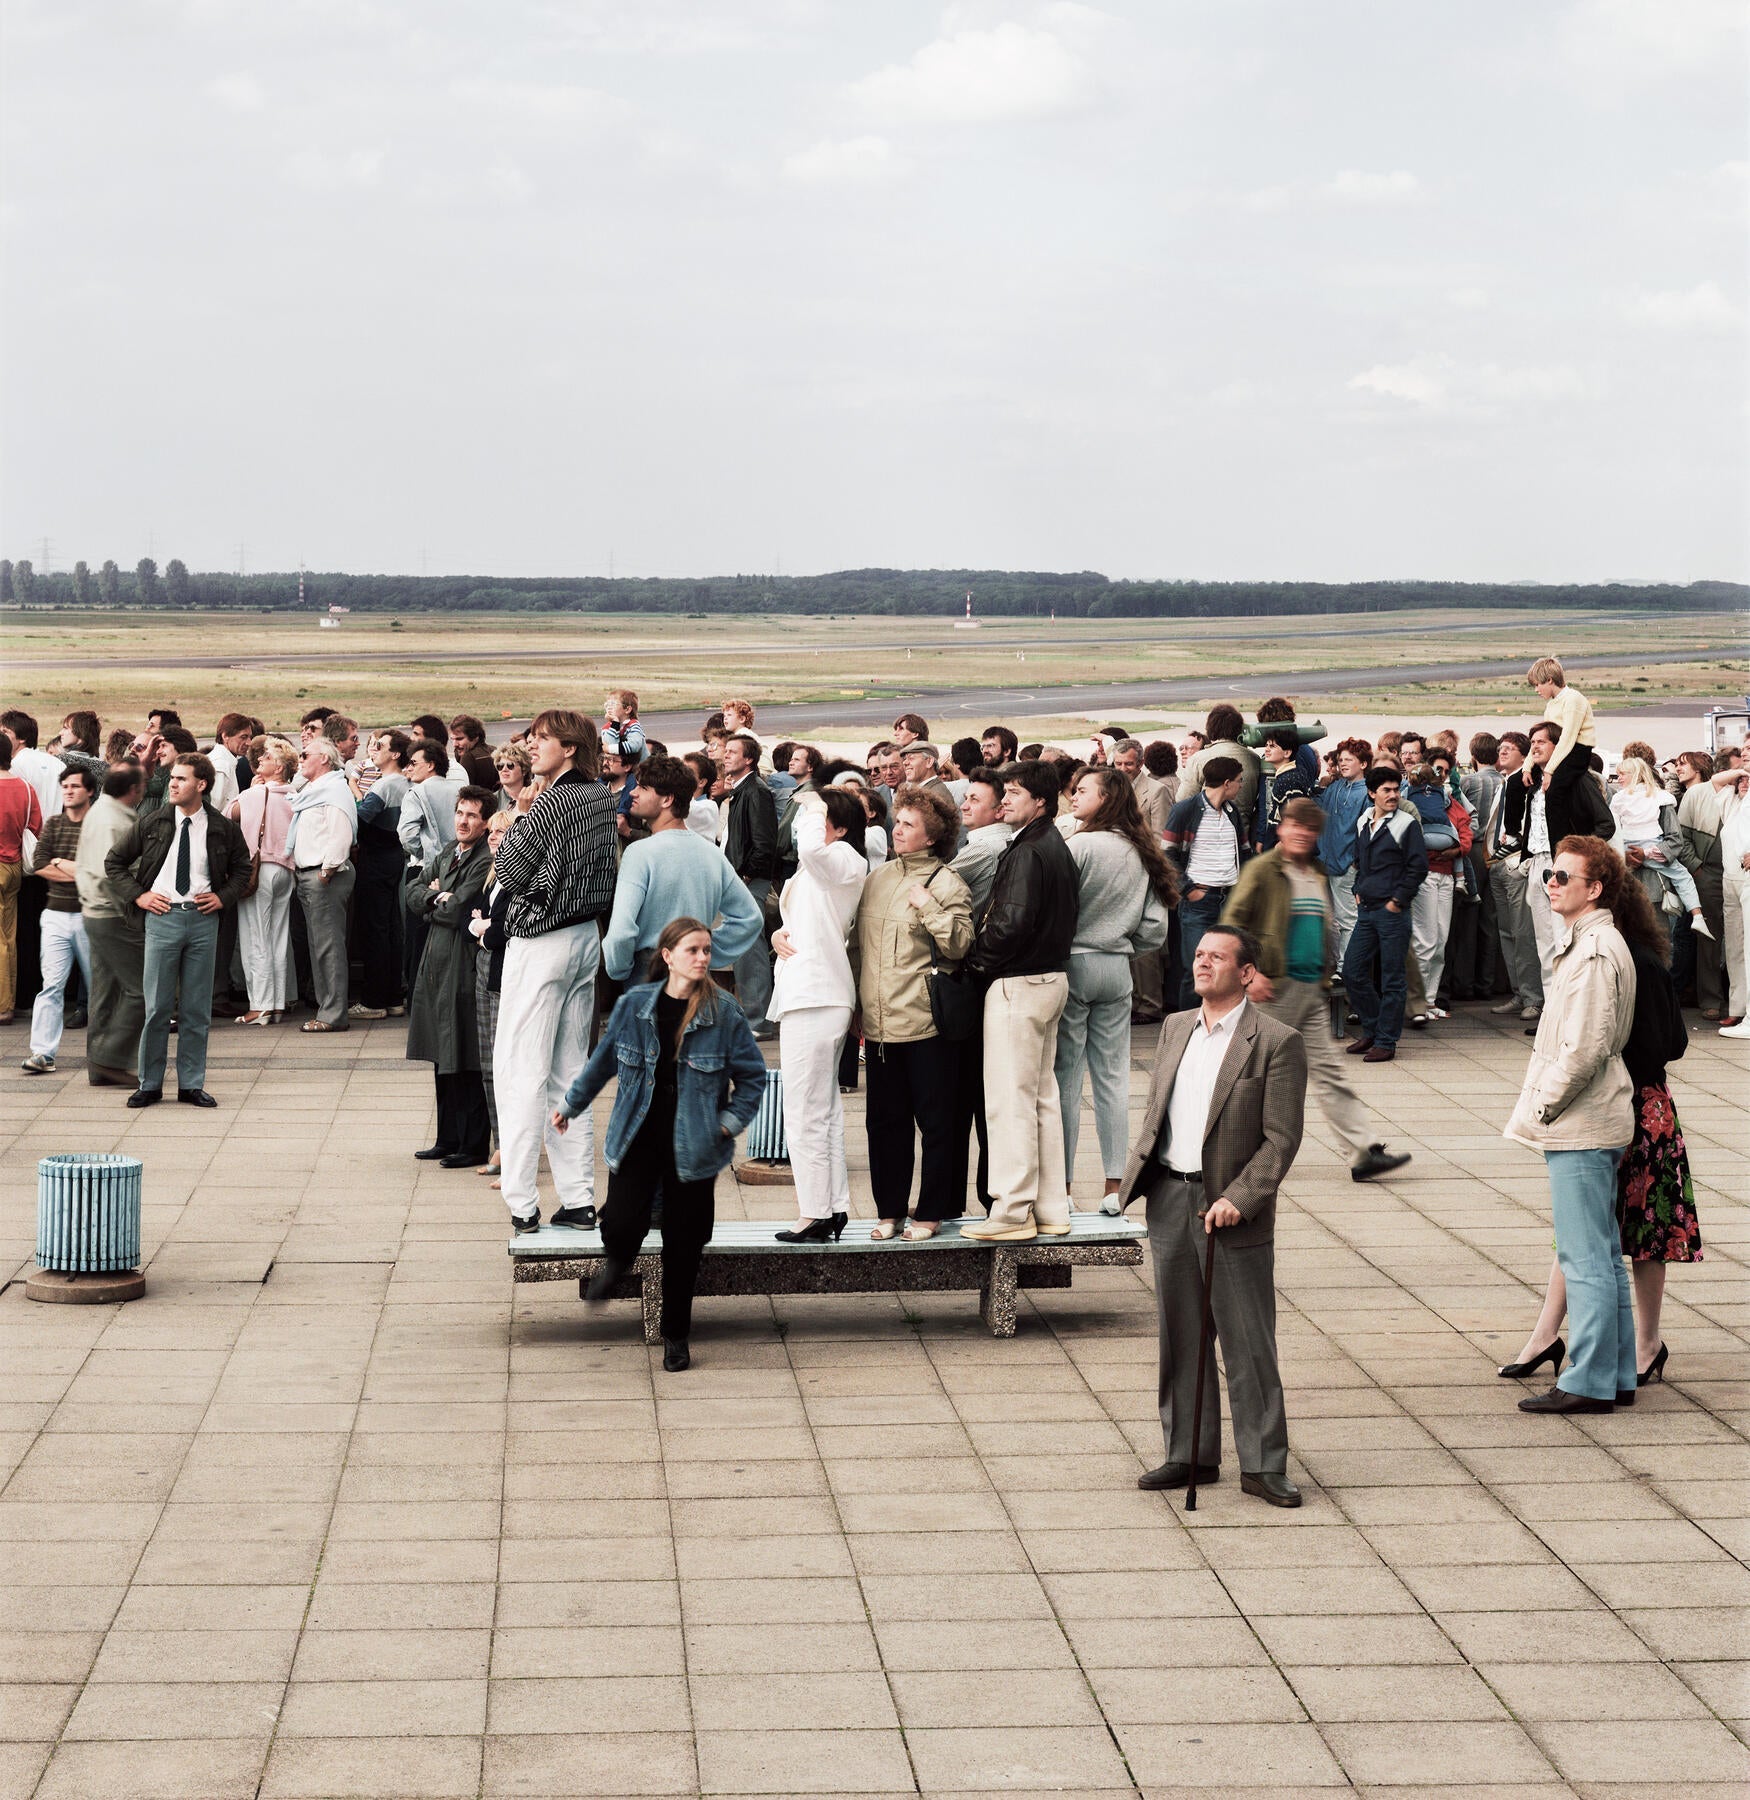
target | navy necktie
x=184, y=858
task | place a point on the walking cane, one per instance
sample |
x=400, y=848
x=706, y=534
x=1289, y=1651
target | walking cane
x=1202, y=1363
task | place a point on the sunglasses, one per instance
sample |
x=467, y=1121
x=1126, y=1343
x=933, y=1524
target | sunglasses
x=1561, y=877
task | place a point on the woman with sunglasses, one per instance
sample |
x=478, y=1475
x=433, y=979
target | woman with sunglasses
x=1577, y=1107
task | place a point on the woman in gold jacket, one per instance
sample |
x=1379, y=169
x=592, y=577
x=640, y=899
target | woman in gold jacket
x=916, y=913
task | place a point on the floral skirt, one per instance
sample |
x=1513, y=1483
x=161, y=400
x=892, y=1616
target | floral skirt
x=1655, y=1199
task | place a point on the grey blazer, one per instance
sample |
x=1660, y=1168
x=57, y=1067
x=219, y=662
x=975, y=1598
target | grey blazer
x=1256, y=1116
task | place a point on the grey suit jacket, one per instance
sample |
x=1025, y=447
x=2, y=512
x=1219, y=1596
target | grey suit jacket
x=1256, y=1116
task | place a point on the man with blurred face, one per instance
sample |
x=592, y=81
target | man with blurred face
x=1284, y=900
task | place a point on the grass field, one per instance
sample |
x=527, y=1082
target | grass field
x=508, y=665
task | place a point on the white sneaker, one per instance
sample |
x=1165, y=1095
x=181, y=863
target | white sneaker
x=1736, y=1031
x=1506, y=1006
x=1109, y=1206
x=1528, y=1013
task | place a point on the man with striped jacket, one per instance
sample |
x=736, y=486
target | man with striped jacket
x=556, y=865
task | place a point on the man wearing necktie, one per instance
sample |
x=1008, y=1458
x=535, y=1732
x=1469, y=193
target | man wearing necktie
x=181, y=867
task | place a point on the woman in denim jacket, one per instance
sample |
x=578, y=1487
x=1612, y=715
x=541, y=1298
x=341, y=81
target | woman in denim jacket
x=691, y=1079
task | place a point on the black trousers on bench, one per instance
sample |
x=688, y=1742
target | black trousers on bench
x=688, y=1213
x=914, y=1090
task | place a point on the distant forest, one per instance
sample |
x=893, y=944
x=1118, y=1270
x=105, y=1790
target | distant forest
x=892, y=592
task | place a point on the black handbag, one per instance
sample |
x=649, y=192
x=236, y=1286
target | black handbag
x=956, y=999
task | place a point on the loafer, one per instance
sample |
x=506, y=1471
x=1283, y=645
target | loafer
x=577, y=1218
x=1558, y=1400
x=195, y=1097
x=1273, y=1489
x=1360, y=1047
x=145, y=1096
x=982, y=1231
x=1377, y=1161
x=459, y=1159
x=1381, y=1053
x=1177, y=1475
x=433, y=1153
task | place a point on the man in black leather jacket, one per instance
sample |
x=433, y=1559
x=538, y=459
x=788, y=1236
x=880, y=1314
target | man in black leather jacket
x=1022, y=952
x=750, y=841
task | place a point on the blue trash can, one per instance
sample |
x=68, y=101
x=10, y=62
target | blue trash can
x=88, y=1214
x=765, y=1136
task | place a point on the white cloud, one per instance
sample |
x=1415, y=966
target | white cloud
x=239, y=92
x=1361, y=187
x=858, y=161
x=546, y=102
x=973, y=77
x=1610, y=45
x=1700, y=308
x=1438, y=383
x=325, y=171
x=1469, y=299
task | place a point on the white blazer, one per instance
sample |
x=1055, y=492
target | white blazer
x=818, y=908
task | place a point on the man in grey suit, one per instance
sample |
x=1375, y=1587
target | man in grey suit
x=1220, y=1132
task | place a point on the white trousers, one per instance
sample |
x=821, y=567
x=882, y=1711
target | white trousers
x=264, y=938
x=1543, y=921
x=1343, y=909
x=809, y=1042
x=545, y=1000
x=63, y=943
x=1430, y=925
x=1023, y=1113
x=1737, y=894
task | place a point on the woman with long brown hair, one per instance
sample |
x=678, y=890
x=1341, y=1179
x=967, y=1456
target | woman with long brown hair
x=1655, y=1198
x=688, y=1070
x=1125, y=890
x=1576, y=1108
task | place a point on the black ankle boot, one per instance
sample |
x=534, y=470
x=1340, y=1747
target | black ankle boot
x=675, y=1356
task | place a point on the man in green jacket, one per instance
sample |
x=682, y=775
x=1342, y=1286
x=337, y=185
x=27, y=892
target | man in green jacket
x=1284, y=899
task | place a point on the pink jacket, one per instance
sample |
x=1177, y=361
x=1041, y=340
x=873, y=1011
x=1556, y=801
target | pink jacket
x=276, y=798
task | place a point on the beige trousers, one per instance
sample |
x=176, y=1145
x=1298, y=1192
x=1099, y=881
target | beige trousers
x=1305, y=1007
x=1021, y=1105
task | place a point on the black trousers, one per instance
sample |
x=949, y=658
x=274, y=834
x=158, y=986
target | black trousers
x=969, y=1103
x=1559, y=808
x=688, y=1213
x=915, y=1089
x=464, y=1127
x=377, y=917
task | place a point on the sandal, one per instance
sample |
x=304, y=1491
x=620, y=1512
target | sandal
x=317, y=1025
x=918, y=1230
x=883, y=1229
x=249, y=1018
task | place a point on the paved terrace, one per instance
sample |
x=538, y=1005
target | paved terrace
x=335, y=1510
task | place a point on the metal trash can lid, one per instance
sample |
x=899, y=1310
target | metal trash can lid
x=86, y=1159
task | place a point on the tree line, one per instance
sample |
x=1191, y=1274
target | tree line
x=996, y=593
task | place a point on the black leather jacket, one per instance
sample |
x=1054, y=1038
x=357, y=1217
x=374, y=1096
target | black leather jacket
x=1029, y=922
x=751, y=839
x=134, y=859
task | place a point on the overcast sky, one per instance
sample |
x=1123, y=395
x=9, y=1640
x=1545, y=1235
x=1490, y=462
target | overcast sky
x=1202, y=288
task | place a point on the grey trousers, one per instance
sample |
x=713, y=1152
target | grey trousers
x=1243, y=1314
x=1508, y=883
x=180, y=949
x=118, y=995
x=324, y=904
x=1093, y=1034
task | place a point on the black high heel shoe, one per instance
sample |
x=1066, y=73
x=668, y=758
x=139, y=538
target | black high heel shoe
x=1518, y=1371
x=816, y=1231
x=1655, y=1370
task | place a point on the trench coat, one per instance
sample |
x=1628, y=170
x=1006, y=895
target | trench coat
x=440, y=1019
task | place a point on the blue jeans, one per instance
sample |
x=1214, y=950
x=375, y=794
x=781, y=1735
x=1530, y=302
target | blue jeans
x=1601, y=1318
x=1195, y=918
x=180, y=948
x=1380, y=1006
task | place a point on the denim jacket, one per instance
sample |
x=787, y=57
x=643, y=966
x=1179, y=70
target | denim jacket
x=720, y=1079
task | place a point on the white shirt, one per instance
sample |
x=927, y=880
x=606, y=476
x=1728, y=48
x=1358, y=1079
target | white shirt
x=1215, y=851
x=324, y=839
x=225, y=788
x=198, y=880
x=1536, y=827
x=723, y=810
x=44, y=773
x=818, y=907
x=1181, y=1146
x=702, y=816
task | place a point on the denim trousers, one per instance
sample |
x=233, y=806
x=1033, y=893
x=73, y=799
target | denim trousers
x=64, y=944
x=1378, y=1004
x=1601, y=1318
x=1195, y=918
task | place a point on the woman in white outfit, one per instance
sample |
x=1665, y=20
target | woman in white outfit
x=1124, y=890
x=812, y=996
x=264, y=812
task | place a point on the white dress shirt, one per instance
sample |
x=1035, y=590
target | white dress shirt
x=225, y=788
x=199, y=882
x=1181, y=1145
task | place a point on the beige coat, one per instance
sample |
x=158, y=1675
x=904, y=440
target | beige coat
x=1256, y=1116
x=894, y=939
x=1577, y=1093
x=1154, y=799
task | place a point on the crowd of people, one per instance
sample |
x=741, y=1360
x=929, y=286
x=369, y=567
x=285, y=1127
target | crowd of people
x=972, y=929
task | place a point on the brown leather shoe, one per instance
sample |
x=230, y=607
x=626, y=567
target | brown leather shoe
x=1360, y=1047
x=1381, y=1053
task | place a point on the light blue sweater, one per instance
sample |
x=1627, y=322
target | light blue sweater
x=677, y=875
